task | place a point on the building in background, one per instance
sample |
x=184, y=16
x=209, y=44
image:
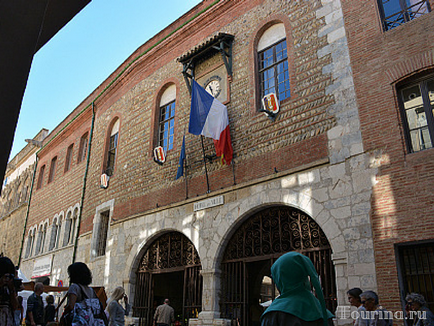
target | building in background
x=15, y=196
x=328, y=175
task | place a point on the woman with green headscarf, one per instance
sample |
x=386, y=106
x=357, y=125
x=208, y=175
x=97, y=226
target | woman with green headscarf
x=296, y=305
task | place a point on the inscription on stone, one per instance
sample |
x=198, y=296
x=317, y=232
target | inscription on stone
x=210, y=202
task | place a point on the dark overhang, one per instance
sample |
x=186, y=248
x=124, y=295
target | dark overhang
x=25, y=27
x=219, y=43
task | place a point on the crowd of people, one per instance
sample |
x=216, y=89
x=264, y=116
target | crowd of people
x=293, y=273
x=371, y=313
x=83, y=307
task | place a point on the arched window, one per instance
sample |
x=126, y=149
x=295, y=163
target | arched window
x=55, y=233
x=43, y=237
x=40, y=239
x=166, y=125
x=273, y=70
x=112, y=148
x=82, y=150
x=74, y=221
x=30, y=241
x=52, y=169
x=67, y=232
x=68, y=158
x=41, y=177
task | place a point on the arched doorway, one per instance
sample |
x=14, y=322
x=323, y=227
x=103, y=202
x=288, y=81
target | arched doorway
x=170, y=268
x=255, y=245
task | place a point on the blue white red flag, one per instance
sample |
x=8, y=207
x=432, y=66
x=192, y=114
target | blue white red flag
x=209, y=117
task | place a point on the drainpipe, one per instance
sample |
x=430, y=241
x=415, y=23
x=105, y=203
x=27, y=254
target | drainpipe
x=83, y=191
x=28, y=210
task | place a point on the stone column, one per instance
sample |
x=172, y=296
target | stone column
x=340, y=262
x=210, y=314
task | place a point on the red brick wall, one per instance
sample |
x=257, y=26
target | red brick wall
x=403, y=207
x=66, y=188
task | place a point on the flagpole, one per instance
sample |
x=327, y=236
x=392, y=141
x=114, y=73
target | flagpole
x=204, y=161
x=233, y=171
x=185, y=169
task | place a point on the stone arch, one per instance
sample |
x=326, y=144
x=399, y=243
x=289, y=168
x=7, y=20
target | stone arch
x=170, y=259
x=138, y=250
x=290, y=198
x=409, y=66
x=254, y=244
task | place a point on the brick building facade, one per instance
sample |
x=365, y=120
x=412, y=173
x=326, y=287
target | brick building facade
x=316, y=179
x=392, y=63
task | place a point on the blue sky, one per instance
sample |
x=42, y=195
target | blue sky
x=83, y=54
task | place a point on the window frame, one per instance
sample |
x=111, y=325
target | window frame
x=101, y=244
x=406, y=15
x=41, y=177
x=273, y=66
x=52, y=173
x=43, y=238
x=427, y=106
x=106, y=207
x=111, y=154
x=55, y=233
x=67, y=229
x=82, y=148
x=161, y=125
x=402, y=276
x=30, y=243
x=68, y=157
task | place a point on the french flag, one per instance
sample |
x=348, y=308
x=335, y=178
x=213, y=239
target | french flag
x=209, y=117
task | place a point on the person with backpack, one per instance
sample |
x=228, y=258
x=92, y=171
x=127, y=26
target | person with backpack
x=83, y=303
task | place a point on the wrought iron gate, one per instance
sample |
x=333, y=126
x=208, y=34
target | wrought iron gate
x=257, y=244
x=171, y=254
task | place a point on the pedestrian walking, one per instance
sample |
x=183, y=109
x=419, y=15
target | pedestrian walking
x=83, y=306
x=8, y=295
x=164, y=314
x=49, y=310
x=355, y=301
x=296, y=304
x=375, y=314
x=35, y=306
x=19, y=312
x=422, y=316
x=116, y=312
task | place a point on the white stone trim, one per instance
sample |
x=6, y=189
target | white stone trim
x=108, y=205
